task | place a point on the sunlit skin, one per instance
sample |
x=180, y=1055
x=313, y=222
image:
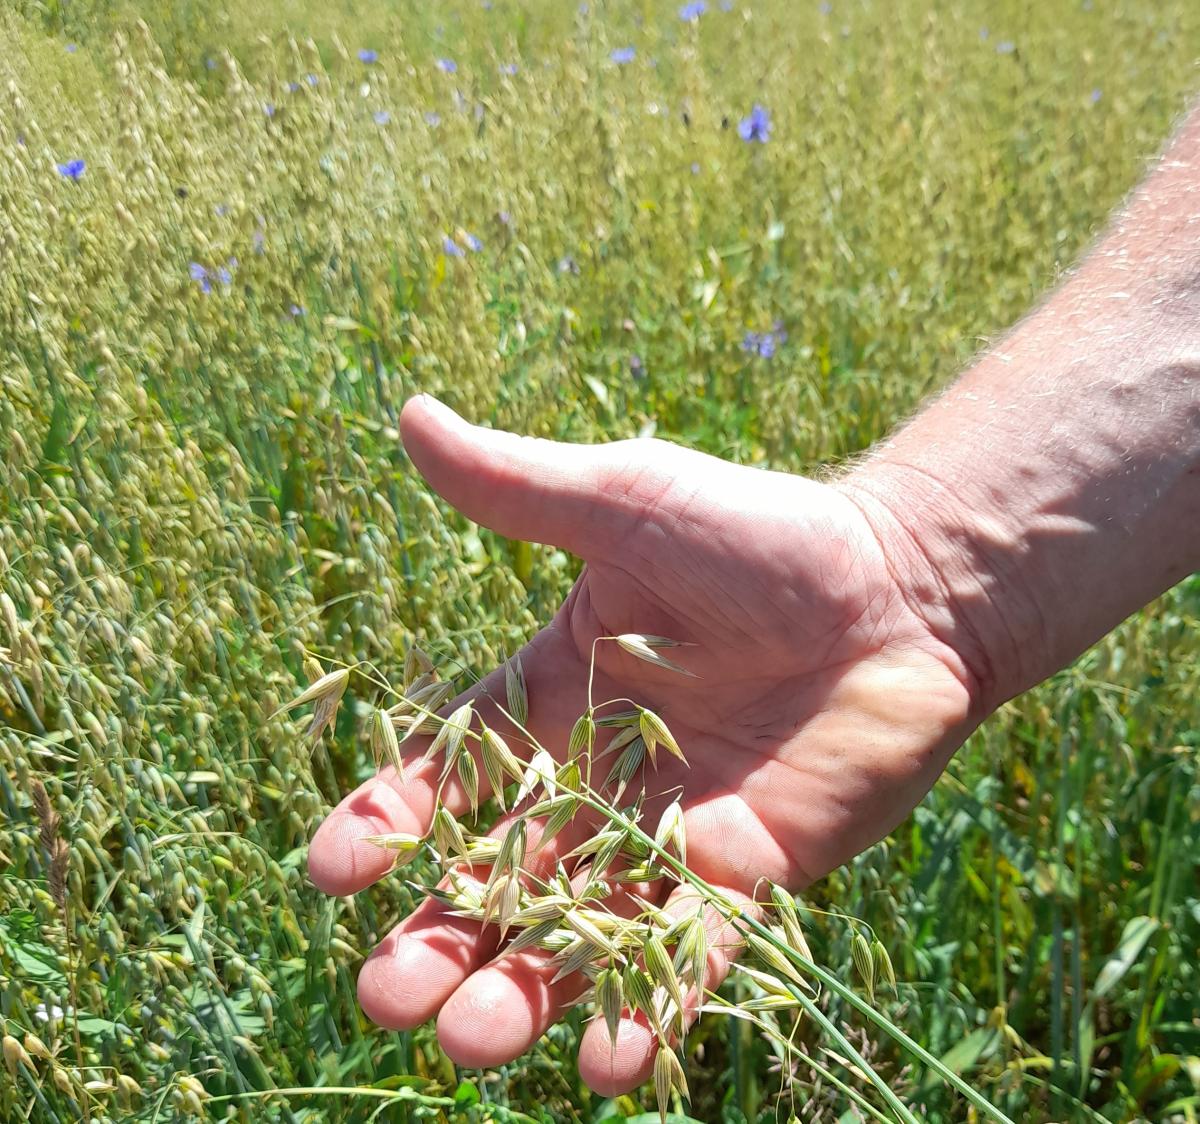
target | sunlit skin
x=843, y=638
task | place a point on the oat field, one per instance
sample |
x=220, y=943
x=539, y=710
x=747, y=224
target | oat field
x=236, y=236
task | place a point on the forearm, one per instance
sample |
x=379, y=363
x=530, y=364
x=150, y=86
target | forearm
x=1055, y=488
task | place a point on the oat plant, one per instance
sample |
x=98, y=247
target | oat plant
x=649, y=964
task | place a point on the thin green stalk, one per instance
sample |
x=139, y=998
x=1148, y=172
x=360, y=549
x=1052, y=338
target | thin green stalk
x=831, y=981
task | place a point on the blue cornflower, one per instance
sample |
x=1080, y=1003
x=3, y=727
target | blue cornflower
x=269, y=109
x=509, y=68
x=365, y=54
x=623, y=54
x=210, y=63
x=293, y=87
x=451, y=248
x=224, y=276
x=764, y=344
x=199, y=274
x=296, y=310
x=433, y=118
x=1096, y=95
x=473, y=243
x=311, y=79
x=756, y=127
x=726, y=5
x=693, y=11
x=447, y=66
x=72, y=169
x=381, y=116
x=72, y=48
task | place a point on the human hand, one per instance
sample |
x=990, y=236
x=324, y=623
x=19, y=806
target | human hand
x=822, y=704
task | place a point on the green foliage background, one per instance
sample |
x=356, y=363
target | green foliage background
x=194, y=487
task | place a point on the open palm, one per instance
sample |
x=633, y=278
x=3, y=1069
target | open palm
x=820, y=709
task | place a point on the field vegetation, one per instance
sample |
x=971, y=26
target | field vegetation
x=235, y=237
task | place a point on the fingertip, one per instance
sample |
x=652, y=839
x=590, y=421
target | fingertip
x=611, y=1068
x=385, y=991
x=488, y=1021
x=419, y=413
x=340, y=860
x=404, y=982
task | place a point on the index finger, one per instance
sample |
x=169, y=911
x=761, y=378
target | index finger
x=341, y=861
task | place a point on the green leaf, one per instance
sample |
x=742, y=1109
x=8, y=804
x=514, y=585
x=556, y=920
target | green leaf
x=36, y=960
x=1137, y=931
x=466, y=1095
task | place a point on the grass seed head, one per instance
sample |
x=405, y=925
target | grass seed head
x=864, y=962
x=516, y=691
x=668, y=1077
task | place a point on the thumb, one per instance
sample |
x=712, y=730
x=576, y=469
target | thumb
x=583, y=498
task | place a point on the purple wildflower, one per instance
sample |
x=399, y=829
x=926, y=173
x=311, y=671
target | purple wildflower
x=473, y=243
x=825, y=7
x=260, y=240
x=433, y=118
x=72, y=169
x=311, y=79
x=691, y=12
x=621, y=55
x=72, y=48
x=447, y=66
x=1096, y=95
x=365, y=54
x=210, y=63
x=756, y=127
x=296, y=310
x=221, y=210
x=269, y=109
x=764, y=344
x=1005, y=47
x=451, y=248
x=381, y=116
x=509, y=68
x=293, y=87
x=224, y=276
x=199, y=274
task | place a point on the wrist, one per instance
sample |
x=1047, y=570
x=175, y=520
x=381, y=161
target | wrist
x=958, y=567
